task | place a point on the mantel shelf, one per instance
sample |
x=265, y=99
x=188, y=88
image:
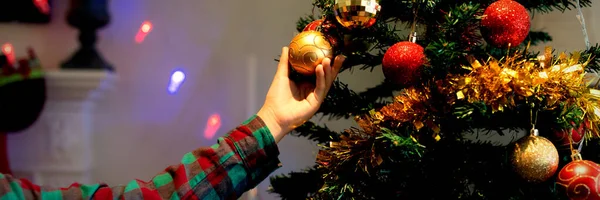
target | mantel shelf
x=70, y=84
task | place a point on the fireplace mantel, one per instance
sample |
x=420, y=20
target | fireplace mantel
x=57, y=149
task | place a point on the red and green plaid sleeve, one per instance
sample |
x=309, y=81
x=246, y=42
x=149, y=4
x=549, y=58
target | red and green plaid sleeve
x=237, y=163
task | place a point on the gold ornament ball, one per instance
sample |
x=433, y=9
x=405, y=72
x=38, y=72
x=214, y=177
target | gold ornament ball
x=534, y=158
x=356, y=13
x=307, y=50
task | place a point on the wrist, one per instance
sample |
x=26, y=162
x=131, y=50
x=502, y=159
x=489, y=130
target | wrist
x=275, y=127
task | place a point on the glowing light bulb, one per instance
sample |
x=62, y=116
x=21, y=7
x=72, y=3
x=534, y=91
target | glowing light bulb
x=42, y=5
x=177, y=78
x=214, y=120
x=143, y=31
x=7, y=48
x=212, y=126
x=146, y=27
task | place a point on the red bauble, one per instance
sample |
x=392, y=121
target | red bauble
x=402, y=63
x=313, y=26
x=505, y=23
x=579, y=180
x=324, y=27
x=561, y=137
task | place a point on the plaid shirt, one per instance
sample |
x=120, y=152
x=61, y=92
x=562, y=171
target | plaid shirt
x=237, y=163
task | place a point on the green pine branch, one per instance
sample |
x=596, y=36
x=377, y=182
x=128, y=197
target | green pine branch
x=379, y=93
x=365, y=60
x=325, y=6
x=353, y=174
x=403, y=10
x=303, y=21
x=367, y=47
x=456, y=169
x=594, y=62
x=342, y=102
x=396, y=10
x=537, y=37
x=316, y=133
x=449, y=37
x=297, y=185
x=541, y=6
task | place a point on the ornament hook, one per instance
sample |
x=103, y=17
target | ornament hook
x=413, y=37
x=575, y=155
x=534, y=132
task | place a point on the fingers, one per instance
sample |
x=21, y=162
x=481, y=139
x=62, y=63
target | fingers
x=326, y=74
x=321, y=72
x=337, y=65
x=282, y=68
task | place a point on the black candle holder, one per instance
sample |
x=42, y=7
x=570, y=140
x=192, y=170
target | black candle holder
x=88, y=16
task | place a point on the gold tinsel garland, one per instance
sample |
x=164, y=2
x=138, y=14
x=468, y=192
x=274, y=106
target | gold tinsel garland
x=501, y=84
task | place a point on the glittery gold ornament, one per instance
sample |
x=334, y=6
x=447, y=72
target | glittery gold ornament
x=307, y=50
x=356, y=13
x=534, y=158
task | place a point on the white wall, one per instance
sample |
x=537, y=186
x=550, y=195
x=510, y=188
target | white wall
x=566, y=30
x=140, y=129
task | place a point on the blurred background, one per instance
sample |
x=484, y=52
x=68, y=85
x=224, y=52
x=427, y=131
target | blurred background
x=221, y=55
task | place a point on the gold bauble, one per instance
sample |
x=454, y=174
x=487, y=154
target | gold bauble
x=534, y=158
x=356, y=13
x=307, y=50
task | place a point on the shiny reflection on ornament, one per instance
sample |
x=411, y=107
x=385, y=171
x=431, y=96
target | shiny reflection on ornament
x=212, y=126
x=580, y=170
x=177, y=78
x=143, y=32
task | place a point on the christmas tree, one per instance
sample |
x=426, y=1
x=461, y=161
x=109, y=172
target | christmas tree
x=455, y=70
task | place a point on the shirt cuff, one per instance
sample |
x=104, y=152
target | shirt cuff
x=262, y=158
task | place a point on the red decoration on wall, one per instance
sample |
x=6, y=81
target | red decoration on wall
x=9, y=52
